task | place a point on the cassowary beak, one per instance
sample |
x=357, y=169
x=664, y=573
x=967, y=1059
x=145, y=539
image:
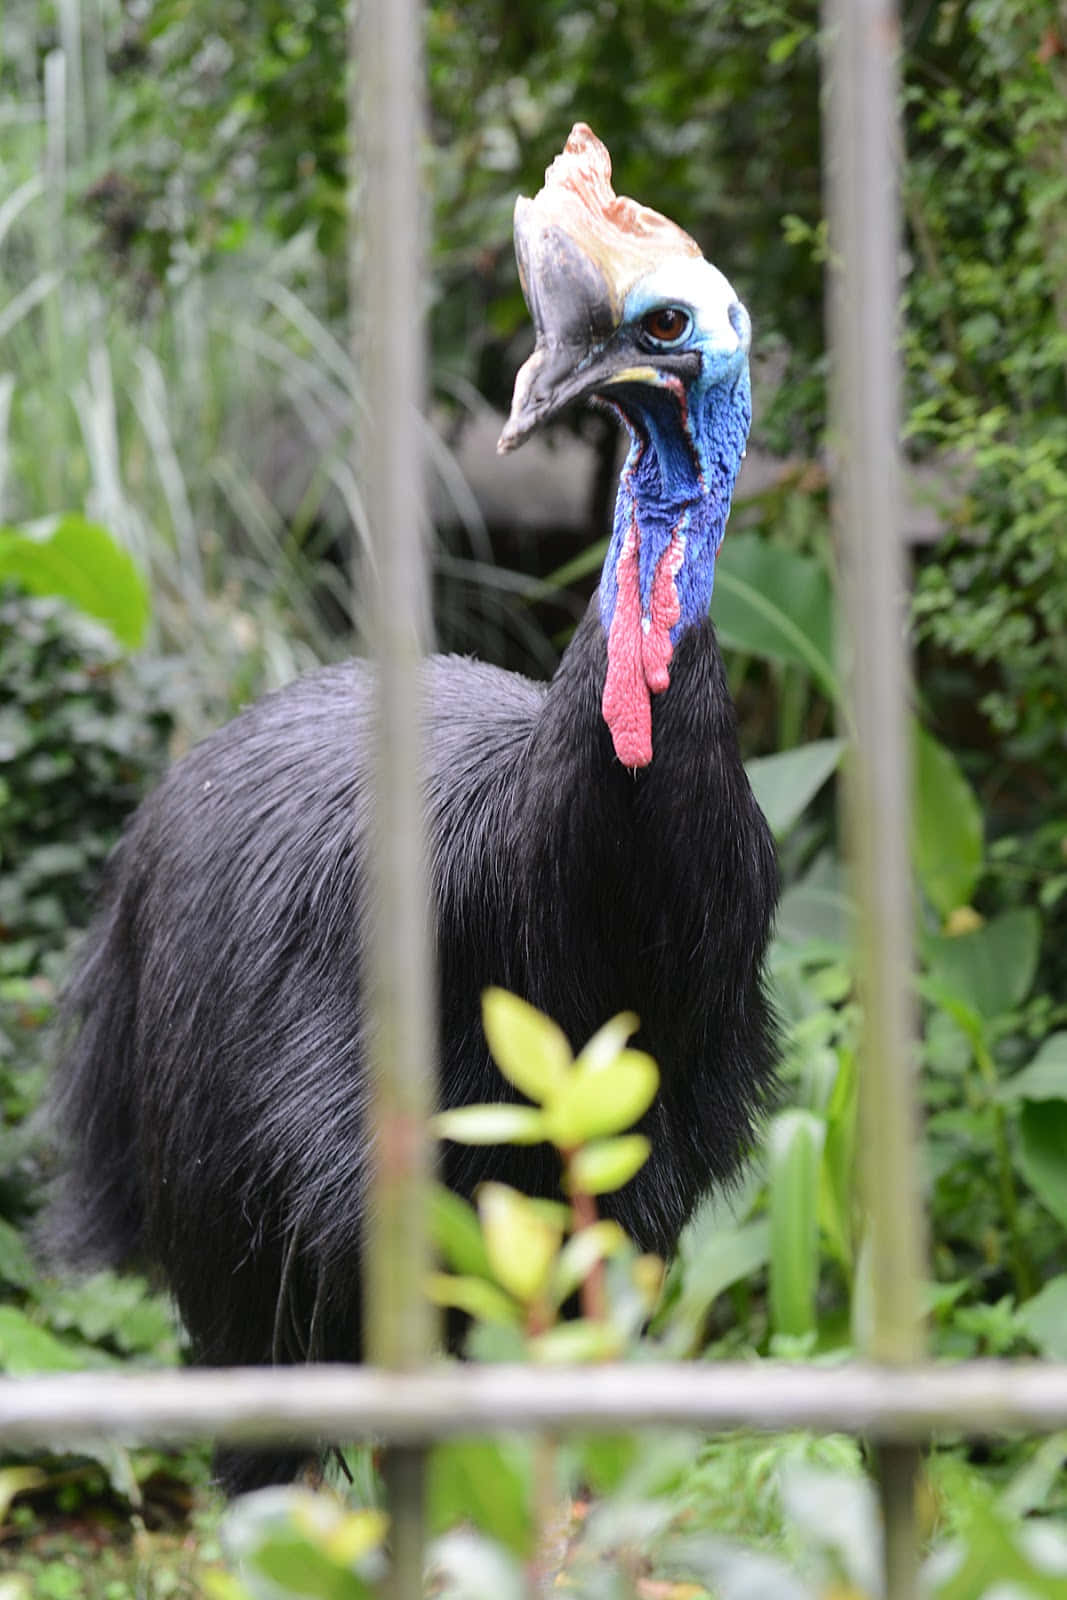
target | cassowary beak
x=570, y=302
x=580, y=248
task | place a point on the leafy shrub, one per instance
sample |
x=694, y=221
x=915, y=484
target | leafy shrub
x=82, y=732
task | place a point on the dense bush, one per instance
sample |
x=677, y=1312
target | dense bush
x=82, y=733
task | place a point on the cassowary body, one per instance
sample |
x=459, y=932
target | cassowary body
x=595, y=847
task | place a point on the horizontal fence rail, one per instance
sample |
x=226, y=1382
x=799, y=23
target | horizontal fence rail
x=293, y=1405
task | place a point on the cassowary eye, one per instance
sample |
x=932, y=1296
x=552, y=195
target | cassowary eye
x=667, y=324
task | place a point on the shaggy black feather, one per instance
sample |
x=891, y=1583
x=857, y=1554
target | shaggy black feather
x=212, y=1097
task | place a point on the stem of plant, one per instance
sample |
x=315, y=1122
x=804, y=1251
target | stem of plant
x=592, y=1294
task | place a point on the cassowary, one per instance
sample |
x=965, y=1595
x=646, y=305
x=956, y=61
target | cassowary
x=595, y=847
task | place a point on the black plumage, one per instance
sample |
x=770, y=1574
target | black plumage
x=212, y=1096
x=213, y=1099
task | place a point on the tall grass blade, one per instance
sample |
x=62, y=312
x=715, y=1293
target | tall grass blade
x=151, y=402
x=26, y=300
x=17, y=201
x=794, y=1158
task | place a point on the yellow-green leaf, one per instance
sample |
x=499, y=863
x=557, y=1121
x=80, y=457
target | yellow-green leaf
x=15, y=1481
x=606, y=1043
x=557, y=1213
x=475, y=1296
x=217, y=1586
x=584, y=1251
x=577, y=1342
x=522, y=1246
x=530, y=1050
x=457, y=1233
x=356, y=1535
x=607, y=1164
x=491, y=1125
x=595, y=1101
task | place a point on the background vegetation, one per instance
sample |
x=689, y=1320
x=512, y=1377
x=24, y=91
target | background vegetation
x=176, y=506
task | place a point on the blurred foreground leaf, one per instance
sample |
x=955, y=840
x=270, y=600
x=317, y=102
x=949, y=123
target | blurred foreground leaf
x=79, y=561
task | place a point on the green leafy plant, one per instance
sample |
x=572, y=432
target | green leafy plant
x=524, y=1259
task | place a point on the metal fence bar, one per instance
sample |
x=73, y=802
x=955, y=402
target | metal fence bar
x=387, y=263
x=246, y=1405
x=862, y=146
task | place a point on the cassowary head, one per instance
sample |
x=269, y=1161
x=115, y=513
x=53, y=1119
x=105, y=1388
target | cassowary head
x=627, y=311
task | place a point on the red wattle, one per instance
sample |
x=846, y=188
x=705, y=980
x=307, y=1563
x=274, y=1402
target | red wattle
x=639, y=648
x=664, y=610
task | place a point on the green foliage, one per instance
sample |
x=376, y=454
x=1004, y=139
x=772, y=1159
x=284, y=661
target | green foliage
x=524, y=1259
x=777, y=605
x=794, y=1151
x=294, y=1545
x=79, y=562
x=947, y=840
x=81, y=735
x=987, y=351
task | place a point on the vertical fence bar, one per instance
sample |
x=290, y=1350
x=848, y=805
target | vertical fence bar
x=387, y=261
x=862, y=149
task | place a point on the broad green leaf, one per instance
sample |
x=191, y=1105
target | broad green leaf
x=530, y=1050
x=26, y=1348
x=501, y=1124
x=305, y=1544
x=475, y=1296
x=946, y=826
x=582, y=1252
x=297, y=1563
x=487, y=1482
x=723, y=1259
x=1045, y=1318
x=80, y=562
x=784, y=784
x=596, y=1100
x=795, y=1144
x=457, y=1233
x=992, y=969
x=1042, y=1155
x=818, y=908
x=772, y=602
x=608, y=1041
x=1046, y=1076
x=607, y=1164
x=576, y=1343
x=520, y=1244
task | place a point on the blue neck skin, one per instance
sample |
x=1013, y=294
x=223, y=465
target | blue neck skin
x=679, y=476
